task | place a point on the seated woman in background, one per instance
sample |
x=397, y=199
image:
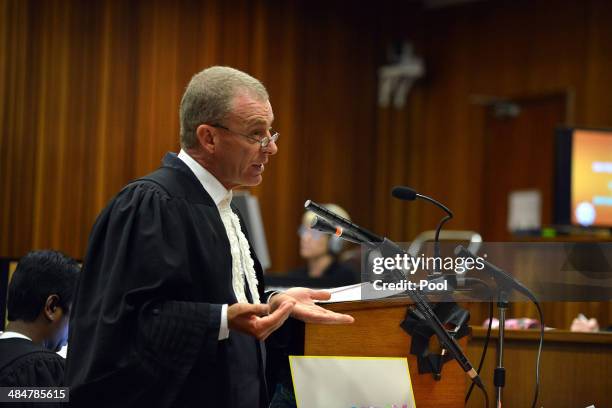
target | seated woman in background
x=321, y=252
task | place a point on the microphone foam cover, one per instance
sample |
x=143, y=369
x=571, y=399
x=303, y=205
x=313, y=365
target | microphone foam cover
x=404, y=193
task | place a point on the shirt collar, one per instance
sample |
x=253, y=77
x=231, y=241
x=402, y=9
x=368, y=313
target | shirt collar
x=213, y=187
x=13, y=335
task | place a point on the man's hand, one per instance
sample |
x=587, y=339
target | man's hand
x=305, y=308
x=247, y=318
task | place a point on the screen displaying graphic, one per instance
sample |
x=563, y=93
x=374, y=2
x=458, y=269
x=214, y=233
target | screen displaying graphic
x=591, y=171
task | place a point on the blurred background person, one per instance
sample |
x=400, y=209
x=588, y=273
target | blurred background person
x=322, y=253
x=40, y=296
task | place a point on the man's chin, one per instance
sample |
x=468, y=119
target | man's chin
x=253, y=181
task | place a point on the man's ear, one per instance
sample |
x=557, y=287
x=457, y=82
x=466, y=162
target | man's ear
x=52, y=310
x=206, y=139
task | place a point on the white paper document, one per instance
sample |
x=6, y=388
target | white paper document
x=524, y=210
x=351, y=382
x=352, y=293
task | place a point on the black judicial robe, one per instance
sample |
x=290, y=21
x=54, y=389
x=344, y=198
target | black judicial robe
x=336, y=274
x=145, y=322
x=23, y=364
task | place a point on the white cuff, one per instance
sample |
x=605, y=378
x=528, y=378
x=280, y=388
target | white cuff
x=223, y=329
x=275, y=292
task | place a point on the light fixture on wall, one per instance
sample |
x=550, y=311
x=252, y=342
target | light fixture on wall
x=396, y=79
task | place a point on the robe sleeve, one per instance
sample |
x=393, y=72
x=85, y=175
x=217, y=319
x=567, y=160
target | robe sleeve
x=42, y=369
x=133, y=313
x=38, y=369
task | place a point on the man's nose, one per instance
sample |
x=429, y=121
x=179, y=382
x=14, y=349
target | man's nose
x=271, y=148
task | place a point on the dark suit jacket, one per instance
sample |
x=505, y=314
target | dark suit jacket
x=145, y=323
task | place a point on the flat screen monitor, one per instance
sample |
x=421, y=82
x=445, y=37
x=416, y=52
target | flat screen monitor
x=583, y=177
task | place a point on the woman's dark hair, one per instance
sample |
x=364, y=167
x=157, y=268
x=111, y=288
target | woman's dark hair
x=40, y=274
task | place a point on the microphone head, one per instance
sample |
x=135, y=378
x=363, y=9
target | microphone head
x=404, y=193
x=321, y=224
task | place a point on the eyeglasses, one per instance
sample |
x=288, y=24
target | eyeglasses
x=263, y=141
x=314, y=234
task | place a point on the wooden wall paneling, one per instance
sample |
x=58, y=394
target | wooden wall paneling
x=326, y=130
x=484, y=45
x=575, y=368
x=561, y=314
x=508, y=54
x=103, y=102
x=236, y=33
x=15, y=178
x=415, y=171
x=258, y=43
x=5, y=140
x=280, y=67
x=321, y=124
x=71, y=177
x=400, y=161
x=390, y=164
x=519, y=155
x=158, y=86
x=356, y=155
x=447, y=146
x=6, y=80
x=382, y=149
x=125, y=65
x=353, y=136
x=311, y=143
x=12, y=15
x=112, y=140
x=597, y=108
x=206, y=41
x=558, y=315
x=396, y=148
x=50, y=125
x=110, y=126
x=399, y=211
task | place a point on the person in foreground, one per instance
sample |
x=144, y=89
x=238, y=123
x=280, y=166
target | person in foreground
x=170, y=308
x=39, y=297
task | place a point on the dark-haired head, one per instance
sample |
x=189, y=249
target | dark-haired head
x=40, y=295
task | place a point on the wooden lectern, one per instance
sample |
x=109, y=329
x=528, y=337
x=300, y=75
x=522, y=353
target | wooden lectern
x=376, y=333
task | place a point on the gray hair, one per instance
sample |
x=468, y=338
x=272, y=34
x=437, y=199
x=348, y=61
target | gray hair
x=208, y=98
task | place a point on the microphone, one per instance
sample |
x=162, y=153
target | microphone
x=499, y=275
x=389, y=247
x=408, y=194
x=320, y=224
x=404, y=193
x=362, y=234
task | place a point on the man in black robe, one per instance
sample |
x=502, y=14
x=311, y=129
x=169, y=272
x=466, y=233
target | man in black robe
x=39, y=297
x=170, y=309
